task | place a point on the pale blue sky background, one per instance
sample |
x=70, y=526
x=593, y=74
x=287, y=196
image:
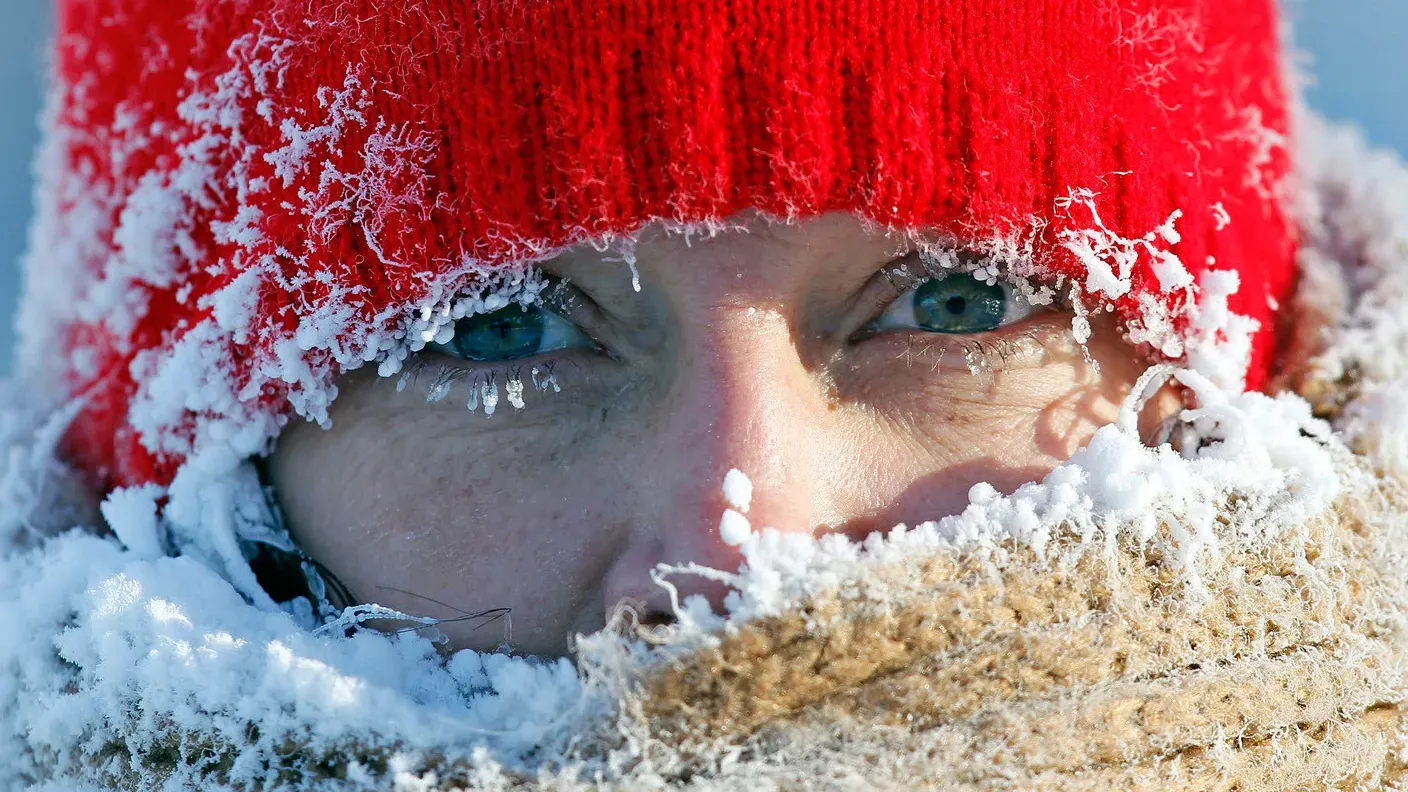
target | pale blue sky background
x=1359, y=50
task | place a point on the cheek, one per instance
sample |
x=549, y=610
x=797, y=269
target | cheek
x=950, y=430
x=407, y=502
x=1032, y=416
x=391, y=462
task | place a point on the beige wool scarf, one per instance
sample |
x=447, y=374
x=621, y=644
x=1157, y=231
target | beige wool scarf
x=1285, y=669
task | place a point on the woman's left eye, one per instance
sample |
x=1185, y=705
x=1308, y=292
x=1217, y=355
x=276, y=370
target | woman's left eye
x=512, y=333
x=956, y=303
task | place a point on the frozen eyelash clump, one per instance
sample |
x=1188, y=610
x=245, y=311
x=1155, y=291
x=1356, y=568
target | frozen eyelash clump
x=483, y=386
x=434, y=321
x=995, y=261
x=547, y=379
x=489, y=394
x=514, y=387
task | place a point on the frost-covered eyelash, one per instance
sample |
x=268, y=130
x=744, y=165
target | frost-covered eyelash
x=925, y=264
x=995, y=355
x=918, y=267
x=480, y=384
x=901, y=278
x=981, y=356
x=434, y=322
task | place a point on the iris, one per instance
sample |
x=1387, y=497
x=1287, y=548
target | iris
x=959, y=304
x=506, y=334
x=956, y=304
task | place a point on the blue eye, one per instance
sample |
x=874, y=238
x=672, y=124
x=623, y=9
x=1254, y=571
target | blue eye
x=956, y=303
x=512, y=333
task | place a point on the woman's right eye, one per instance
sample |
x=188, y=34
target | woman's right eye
x=954, y=304
x=512, y=333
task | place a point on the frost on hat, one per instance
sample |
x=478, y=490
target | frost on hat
x=241, y=199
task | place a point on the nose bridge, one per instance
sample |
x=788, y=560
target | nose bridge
x=740, y=398
x=743, y=399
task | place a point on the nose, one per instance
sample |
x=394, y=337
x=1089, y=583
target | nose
x=742, y=398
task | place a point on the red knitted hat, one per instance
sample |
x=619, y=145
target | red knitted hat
x=242, y=198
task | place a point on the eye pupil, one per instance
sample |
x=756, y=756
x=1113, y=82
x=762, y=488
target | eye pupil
x=505, y=334
x=959, y=303
x=502, y=328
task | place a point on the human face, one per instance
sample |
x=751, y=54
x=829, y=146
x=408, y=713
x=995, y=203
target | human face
x=795, y=353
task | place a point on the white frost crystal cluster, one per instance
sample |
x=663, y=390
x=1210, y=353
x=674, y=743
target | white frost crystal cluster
x=734, y=528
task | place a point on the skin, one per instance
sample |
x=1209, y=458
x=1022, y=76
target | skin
x=739, y=351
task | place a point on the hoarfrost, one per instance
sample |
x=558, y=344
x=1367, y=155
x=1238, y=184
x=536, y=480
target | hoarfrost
x=514, y=390
x=1220, y=216
x=543, y=380
x=132, y=514
x=738, y=489
x=489, y=394
x=734, y=528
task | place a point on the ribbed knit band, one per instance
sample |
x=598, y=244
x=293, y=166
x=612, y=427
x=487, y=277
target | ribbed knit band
x=241, y=198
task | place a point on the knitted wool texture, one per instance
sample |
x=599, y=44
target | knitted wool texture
x=241, y=199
